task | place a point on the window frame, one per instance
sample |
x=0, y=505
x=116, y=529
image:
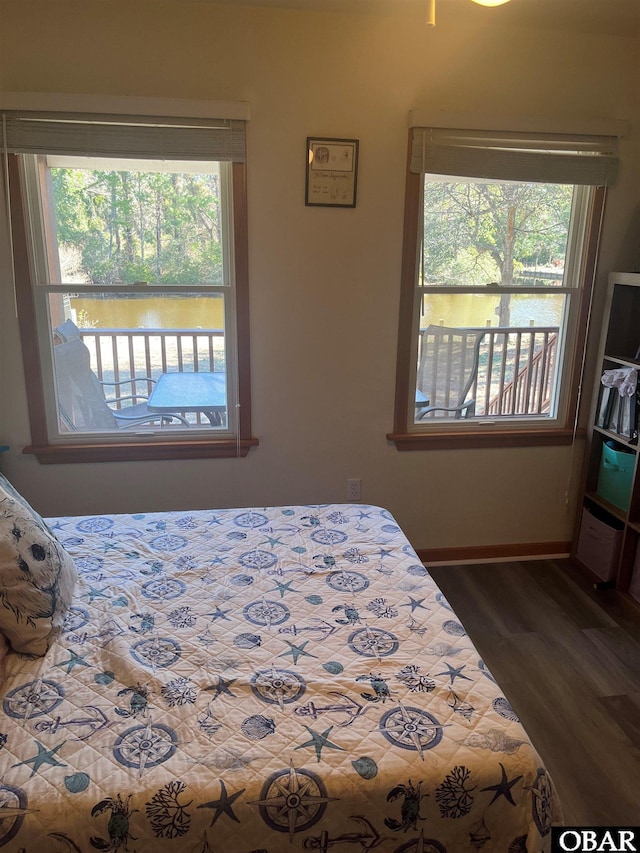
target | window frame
x=138, y=446
x=447, y=435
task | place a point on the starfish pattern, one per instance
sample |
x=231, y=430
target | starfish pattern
x=282, y=588
x=218, y=614
x=221, y=687
x=296, y=651
x=44, y=756
x=223, y=805
x=415, y=603
x=272, y=541
x=454, y=672
x=319, y=741
x=503, y=788
x=74, y=660
x=95, y=593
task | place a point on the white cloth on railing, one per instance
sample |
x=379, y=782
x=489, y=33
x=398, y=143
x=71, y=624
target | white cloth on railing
x=625, y=379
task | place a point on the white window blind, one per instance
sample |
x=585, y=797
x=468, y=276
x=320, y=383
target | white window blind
x=99, y=135
x=582, y=159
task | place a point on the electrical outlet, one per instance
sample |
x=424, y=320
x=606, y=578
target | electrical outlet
x=353, y=490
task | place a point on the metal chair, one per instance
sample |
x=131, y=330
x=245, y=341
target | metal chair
x=82, y=402
x=447, y=371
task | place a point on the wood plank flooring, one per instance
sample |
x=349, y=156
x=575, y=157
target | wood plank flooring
x=568, y=659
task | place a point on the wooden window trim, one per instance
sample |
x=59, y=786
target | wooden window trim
x=51, y=454
x=484, y=438
x=477, y=436
x=48, y=452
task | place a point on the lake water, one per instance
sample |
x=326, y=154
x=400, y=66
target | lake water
x=151, y=312
x=208, y=311
x=471, y=309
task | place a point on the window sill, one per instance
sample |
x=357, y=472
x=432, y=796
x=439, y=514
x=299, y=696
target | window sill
x=51, y=454
x=467, y=440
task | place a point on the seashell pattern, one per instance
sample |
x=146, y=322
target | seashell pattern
x=247, y=641
x=258, y=727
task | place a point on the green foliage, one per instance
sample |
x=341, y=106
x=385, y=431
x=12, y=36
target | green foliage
x=139, y=226
x=476, y=233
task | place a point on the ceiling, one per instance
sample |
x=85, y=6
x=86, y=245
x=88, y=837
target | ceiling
x=614, y=17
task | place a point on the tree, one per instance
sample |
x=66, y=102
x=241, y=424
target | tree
x=477, y=232
x=128, y=226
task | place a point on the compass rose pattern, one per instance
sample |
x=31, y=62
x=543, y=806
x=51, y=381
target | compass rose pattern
x=33, y=699
x=266, y=612
x=261, y=680
x=156, y=652
x=411, y=728
x=292, y=800
x=145, y=746
x=373, y=642
x=277, y=686
x=13, y=808
x=346, y=581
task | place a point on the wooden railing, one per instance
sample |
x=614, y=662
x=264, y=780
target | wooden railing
x=516, y=370
x=530, y=391
x=119, y=354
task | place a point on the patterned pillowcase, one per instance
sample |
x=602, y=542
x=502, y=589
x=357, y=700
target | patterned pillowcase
x=7, y=487
x=37, y=576
x=4, y=650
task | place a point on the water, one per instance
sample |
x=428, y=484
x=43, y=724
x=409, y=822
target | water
x=195, y=312
x=479, y=309
x=151, y=312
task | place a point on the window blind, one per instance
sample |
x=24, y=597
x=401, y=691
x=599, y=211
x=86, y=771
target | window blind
x=154, y=137
x=517, y=156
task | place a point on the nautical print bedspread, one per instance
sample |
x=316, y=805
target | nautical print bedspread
x=261, y=681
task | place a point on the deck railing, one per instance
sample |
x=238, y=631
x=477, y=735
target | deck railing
x=516, y=370
x=119, y=354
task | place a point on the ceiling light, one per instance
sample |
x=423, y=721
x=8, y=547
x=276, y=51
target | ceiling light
x=431, y=8
x=491, y=2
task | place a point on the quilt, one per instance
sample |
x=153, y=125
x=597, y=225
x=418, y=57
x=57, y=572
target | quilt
x=261, y=680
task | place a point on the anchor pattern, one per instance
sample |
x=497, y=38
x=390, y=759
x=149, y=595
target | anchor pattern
x=261, y=680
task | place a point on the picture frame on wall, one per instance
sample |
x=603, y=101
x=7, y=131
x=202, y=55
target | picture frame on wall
x=332, y=172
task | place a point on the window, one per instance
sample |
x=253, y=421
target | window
x=500, y=238
x=130, y=256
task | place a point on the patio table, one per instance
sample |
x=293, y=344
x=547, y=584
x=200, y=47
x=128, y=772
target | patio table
x=422, y=401
x=191, y=392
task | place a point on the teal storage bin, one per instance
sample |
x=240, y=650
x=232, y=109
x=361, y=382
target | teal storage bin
x=616, y=474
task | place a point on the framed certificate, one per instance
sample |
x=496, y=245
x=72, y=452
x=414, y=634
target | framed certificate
x=332, y=172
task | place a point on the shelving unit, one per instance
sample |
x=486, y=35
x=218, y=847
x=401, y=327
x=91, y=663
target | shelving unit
x=619, y=348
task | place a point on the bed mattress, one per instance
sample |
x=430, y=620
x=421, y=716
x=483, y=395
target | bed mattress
x=269, y=679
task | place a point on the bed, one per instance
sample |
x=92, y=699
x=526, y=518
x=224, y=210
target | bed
x=260, y=681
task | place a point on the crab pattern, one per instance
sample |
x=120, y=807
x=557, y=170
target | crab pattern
x=261, y=680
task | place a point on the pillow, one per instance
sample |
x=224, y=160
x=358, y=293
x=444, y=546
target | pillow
x=6, y=486
x=4, y=649
x=37, y=576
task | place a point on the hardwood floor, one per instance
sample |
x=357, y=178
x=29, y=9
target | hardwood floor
x=568, y=660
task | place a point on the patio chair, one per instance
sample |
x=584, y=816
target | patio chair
x=447, y=371
x=82, y=402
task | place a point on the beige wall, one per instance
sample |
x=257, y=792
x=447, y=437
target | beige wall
x=324, y=283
